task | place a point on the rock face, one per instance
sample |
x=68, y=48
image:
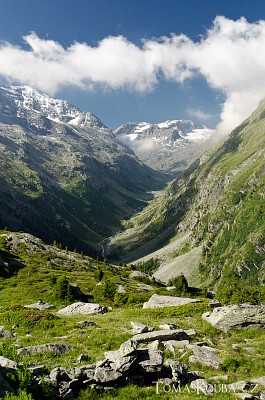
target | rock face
x=82, y=308
x=236, y=316
x=156, y=301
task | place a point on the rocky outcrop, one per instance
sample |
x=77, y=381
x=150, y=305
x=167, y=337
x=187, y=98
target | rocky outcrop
x=156, y=301
x=236, y=316
x=82, y=308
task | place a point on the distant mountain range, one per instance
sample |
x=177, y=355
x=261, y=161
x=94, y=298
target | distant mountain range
x=170, y=146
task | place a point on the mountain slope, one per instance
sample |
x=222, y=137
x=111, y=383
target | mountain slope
x=63, y=176
x=217, y=206
x=170, y=146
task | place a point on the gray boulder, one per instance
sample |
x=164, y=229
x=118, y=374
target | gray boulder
x=156, y=301
x=122, y=359
x=82, y=308
x=54, y=348
x=236, y=316
x=137, y=327
x=204, y=355
x=163, y=335
x=150, y=360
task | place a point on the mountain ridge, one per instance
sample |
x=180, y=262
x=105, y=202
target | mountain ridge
x=69, y=182
x=169, y=146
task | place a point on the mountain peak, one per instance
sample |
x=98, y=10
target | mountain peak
x=24, y=100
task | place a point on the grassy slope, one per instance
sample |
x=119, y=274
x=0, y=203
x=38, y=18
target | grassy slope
x=32, y=282
x=219, y=204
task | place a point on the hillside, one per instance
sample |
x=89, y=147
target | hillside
x=46, y=354
x=216, y=207
x=63, y=176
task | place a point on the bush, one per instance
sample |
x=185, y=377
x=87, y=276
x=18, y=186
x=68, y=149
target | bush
x=105, y=291
x=120, y=298
x=235, y=293
x=148, y=266
x=181, y=284
x=62, y=289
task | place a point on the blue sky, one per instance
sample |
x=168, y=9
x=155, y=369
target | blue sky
x=54, y=58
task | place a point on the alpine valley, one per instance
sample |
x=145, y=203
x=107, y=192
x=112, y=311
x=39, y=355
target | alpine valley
x=136, y=229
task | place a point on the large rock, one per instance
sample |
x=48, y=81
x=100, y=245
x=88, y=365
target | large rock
x=150, y=360
x=204, y=355
x=122, y=359
x=156, y=301
x=82, y=308
x=163, y=335
x=236, y=316
x=54, y=348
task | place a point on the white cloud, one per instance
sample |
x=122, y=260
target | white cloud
x=199, y=114
x=230, y=56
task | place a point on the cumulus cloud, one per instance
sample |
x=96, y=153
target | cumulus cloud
x=230, y=56
x=199, y=114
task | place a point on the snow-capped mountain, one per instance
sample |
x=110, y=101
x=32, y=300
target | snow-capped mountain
x=39, y=110
x=63, y=174
x=171, y=145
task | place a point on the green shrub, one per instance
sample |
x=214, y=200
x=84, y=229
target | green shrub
x=181, y=284
x=22, y=395
x=62, y=289
x=120, y=298
x=235, y=293
x=105, y=291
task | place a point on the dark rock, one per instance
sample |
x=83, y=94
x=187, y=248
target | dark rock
x=214, y=303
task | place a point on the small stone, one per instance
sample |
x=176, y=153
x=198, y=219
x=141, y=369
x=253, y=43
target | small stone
x=137, y=327
x=169, y=326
